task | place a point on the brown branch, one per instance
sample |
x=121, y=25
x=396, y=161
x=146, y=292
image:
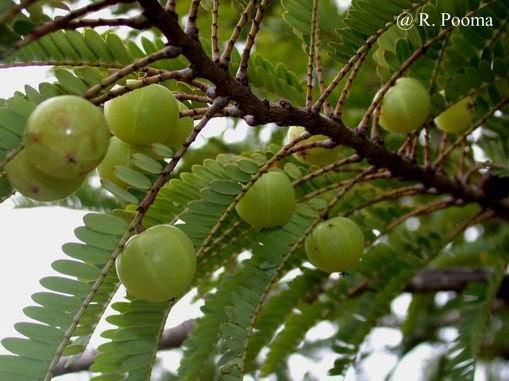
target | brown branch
x=257, y=111
x=255, y=27
x=166, y=52
x=214, y=30
x=135, y=23
x=311, y=55
x=182, y=75
x=225, y=57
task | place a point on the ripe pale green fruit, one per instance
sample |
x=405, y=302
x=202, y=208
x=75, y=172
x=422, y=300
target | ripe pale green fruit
x=405, y=106
x=158, y=264
x=269, y=202
x=181, y=131
x=35, y=184
x=456, y=118
x=143, y=116
x=119, y=154
x=314, y=156
x=335, y=245
x=66, y=137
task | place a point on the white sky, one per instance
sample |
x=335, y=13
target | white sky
x=31, y=240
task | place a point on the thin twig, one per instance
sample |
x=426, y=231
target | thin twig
x=214, y=30
x=225, y=57
x=346, y=89
x=332, y=167
x=166, y=52
x=105, y=65
x=138, y=22
x=181, y=75
x=255, y=27
x=11, y=155
x=311, y=56
x=319, y=68
x=423, y=209
x=60, y=23
x=191, y=28
x=261, y=171
x=390, y=195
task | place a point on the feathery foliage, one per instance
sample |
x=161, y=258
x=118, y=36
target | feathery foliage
x=433, y=206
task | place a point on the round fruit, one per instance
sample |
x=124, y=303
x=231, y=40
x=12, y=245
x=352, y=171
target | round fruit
x=182, y=131
x=35, y=184
x=119, y=153
x=158, y=264
x=405, y=106
x=456, y=118
x=335, y=245
x=269, y=202
x=313, y=156
x=143, y=116
x=66, y=137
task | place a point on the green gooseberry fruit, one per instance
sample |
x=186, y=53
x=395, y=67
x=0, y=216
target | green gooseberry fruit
x=158, y=264
x=456, y=118
x=182, y=130
x=335, y=245
x=119, y=154
x=313, y=156
x=405, y=106
x=66, y=136
x=37, y=185
x=269, y=202
x=143, y=116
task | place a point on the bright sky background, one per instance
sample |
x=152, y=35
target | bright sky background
x=31, y=240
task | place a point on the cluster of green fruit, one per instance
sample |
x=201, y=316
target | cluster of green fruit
x=334, y=245
x=138, y=120
x=67, y=137
x=406, y=106
x=159, y=264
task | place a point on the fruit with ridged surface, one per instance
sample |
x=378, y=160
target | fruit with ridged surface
x=37, y=185
x=143, y=116
x=269, y=202
x=158, y=264
x=456, y=118
x=66, y=137
x=405, y=106
x=335, y=245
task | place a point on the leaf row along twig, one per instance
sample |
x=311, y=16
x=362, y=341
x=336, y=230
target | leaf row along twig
x=62, y=23
x=278, y=271
x=136, y=221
